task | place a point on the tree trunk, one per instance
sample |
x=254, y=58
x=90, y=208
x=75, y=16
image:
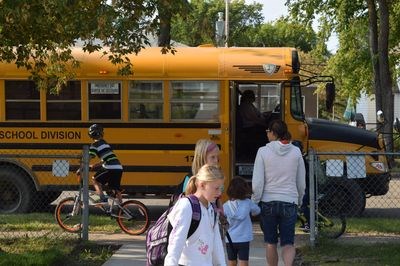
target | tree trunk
x=373, y=43
x=385, y=76
x=164, y=33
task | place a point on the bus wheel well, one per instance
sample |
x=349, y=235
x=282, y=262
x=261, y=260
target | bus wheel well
x=17, y=189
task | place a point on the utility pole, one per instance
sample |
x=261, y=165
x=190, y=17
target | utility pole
x=226, y=22
x=220, y=30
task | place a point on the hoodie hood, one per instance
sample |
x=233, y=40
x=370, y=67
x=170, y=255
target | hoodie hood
x=279, y=148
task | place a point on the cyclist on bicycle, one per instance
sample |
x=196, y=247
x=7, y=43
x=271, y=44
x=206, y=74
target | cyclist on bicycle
x=110, y=171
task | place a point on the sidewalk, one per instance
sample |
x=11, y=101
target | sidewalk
x=133, y=251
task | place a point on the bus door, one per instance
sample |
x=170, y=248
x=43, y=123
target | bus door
x=250, y=135
x=293, y=104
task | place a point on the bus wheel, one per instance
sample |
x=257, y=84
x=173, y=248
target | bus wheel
x=342, y=196
x=16, y=192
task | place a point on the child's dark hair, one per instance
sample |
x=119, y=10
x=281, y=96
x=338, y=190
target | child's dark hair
x=280, y=129
x=238, y=189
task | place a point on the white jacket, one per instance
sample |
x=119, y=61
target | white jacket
x=279, y=174
x=204, y=247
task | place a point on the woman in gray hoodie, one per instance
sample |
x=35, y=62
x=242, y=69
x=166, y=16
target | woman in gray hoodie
x=278, y=185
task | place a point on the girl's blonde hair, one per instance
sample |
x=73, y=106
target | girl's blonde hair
x=207, y=173
x=203, y=146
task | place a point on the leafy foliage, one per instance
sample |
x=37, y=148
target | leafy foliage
x=198, y=26
x=285, y=33
x=39, y=34
x=351, y=65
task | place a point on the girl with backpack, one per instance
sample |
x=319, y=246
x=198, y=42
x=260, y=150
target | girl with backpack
x=204, y=247
x=238, y=209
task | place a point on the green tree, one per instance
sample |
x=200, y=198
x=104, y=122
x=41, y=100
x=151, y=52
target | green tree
x=40, y=34
x=166, y=10
x=285, y=33
x=362, y=62
x=198, y=26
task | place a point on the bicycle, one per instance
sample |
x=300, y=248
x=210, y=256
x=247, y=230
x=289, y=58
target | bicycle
x=330, y=220
x=131, y=215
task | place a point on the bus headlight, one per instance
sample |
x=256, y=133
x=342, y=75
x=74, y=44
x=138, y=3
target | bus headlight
x=379, y=166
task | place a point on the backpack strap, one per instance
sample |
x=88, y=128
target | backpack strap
x=196, y=216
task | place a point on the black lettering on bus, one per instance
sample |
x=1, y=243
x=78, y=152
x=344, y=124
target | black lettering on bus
x=61, y=135
x=18, y=135
x=189, y=158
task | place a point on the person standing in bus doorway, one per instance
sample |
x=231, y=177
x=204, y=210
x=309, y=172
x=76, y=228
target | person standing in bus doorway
x=238, y=209
x=250, y=115
x=204, y=247
x=278, y=185
x=109, y=169
x=252, y=125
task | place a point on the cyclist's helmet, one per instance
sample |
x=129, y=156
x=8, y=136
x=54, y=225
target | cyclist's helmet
x=95, y=131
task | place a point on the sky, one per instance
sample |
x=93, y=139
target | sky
x=274, y=9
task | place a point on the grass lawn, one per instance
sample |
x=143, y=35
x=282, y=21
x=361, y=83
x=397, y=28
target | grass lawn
x=339, y=253
x=56, y=247
x=47, y=251
x=359, y=250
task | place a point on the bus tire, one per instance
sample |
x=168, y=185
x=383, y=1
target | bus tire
x=16, y=191
x=342, y=196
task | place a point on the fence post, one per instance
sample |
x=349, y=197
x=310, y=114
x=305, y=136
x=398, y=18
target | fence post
x=85, y=194
x=311, y=165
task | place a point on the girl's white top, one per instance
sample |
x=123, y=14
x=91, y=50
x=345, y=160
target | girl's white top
x=204, y=247
x=238, y=214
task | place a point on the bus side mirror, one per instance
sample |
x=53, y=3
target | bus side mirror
x=330, y=95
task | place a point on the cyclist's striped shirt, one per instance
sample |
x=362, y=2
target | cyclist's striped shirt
x=102, y=149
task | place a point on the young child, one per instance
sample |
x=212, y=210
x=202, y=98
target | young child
x=204, y=247
x=205, y=152
x=111, y=169
x=237, y=210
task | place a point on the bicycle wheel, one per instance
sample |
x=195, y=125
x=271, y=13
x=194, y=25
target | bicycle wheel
x=133, y=217
x=331, y=226
x=67, y=217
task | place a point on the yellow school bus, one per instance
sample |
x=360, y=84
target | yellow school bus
x=153, y=118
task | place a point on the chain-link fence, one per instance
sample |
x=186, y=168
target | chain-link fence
x=31, y=185
x=360, y=187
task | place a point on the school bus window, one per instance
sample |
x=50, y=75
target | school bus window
x=22, y=100
x=145, y=100
x=267, y=95
x=296, y=102
x=270, y=97
x=67, y=104
x=195, y=100
x=104, y=100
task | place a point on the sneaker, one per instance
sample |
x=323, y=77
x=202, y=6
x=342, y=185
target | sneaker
x=96, y=199
x=305, y=228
